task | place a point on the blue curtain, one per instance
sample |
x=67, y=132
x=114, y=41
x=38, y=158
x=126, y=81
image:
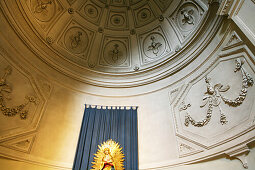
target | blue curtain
x=99, y=125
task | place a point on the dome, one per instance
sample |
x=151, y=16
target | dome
x=114, y=39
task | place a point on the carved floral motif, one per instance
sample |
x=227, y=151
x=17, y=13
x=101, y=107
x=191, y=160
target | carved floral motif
x=214, y=95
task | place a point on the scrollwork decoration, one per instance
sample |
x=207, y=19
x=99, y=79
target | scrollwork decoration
x=213, y=97
x=6, y=89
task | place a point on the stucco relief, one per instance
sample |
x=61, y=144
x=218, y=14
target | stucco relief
x=215, y=94
x=187, y=17
x=91, y=12
x=226, y=103
x=115, y=53
x=117, y=20
x=154, y=45
x=22, y=105
x=75, y=40
x=19, y=101
x=143, y=15
x=5, y=94
x=44, y=11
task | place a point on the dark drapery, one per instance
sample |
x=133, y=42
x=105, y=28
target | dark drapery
x=99, y=125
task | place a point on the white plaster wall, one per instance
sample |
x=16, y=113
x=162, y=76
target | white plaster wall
x=243, y=17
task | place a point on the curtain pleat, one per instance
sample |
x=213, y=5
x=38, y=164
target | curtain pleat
x=98, y=126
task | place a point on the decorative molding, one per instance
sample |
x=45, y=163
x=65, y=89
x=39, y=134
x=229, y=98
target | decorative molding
x=49, y=40
x=234, y=41
x=225, y=7
x=71, y=1
x=45, y=85
x=115, y=52
x=21, y=144
x=186, y=148
x=154, y=45
x=173, y=94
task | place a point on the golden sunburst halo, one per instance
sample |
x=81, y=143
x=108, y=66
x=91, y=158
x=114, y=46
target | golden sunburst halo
x=115, y=152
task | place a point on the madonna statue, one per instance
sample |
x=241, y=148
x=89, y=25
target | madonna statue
x=107, y=163
x=109, y=156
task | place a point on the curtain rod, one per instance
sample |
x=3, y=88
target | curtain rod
x=111, y=107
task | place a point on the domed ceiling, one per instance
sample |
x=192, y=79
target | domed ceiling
x=111, y=37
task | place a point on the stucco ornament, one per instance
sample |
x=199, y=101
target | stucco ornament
x=43, y=10
x=214, y=96
x=154, y=46
x=5, y=90
x=187, y=16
